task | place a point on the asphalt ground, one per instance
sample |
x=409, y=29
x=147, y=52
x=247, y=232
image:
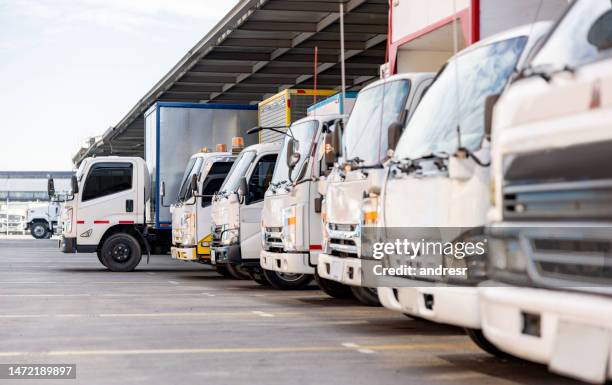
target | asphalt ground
x=174, y=322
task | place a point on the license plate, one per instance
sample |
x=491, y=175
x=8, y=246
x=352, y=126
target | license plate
x=336, y=270
x=213, y=259
x=581, y=351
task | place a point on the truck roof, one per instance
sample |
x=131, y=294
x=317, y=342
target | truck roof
x=261, y=147
x=112, y=158
x=210, y=154
x=319, y=118
x=413, y=76
x=533, y=31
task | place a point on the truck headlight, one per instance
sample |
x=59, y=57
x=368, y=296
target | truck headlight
x=289, y=233
x=188, y=229
x=369, y=210
x=293, y=227
x=230, y=236
x=67, y=220
x=506, y=254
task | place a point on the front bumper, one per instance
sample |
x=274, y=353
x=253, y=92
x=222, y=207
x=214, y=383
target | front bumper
x=446, y=304
x=184, y=253
x=294, y=263
x=221, y=255
x=68, y=245
x=575, y=335
x=343, y=270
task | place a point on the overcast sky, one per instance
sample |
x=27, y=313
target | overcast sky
x=69, y=69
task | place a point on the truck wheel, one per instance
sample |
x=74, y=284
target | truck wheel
x=237, y=272
x=478, y=337
x=366, y=295
x=285, y=281
x=258, y=276
x=222, y=270
x=121, y=252
x=99, y=254
x=332, y=288
x=39, y=230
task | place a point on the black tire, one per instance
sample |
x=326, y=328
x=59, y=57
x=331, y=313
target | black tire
x=39, y=230
x=478, y=337
x=237, y=272
x=258, y=277
x=121, y=253
x=283, y=281
x=332, y=288
x=366, y=295
x=99, y=254
x=222, y=270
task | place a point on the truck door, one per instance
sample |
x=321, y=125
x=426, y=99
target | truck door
x=250, y=210
x=109, y=197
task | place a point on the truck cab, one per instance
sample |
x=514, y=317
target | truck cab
x=42, y=220
x=360, y=152
x=105, y=213
x=236, y=210
x=191, y=215
x=549, y=299
x=437, y=185
x=291, y=217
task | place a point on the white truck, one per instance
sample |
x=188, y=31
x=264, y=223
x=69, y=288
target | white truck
x=437, y=185
x=236, y=210
x=549, y=299
x=359, y=153
x=291, y=217
x=42, y=220
x=120, y=205
x=191, y=215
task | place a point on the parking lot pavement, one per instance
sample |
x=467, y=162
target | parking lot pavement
x=174, y=322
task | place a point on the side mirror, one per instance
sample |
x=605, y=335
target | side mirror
x=243, y=189
x=490, y=102
x=74, y=184
x=600, y=33
x=50, y=187
x=193, y=183
x=333, y=144
x=293, y=157
x=394, y=132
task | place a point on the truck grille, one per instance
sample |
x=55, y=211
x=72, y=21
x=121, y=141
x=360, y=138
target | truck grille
x=273, y=239
x=573, y=261
x=344, y=240
x=565, y=184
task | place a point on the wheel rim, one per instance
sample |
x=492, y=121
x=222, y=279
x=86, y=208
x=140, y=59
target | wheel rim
x=289, y=277
x=121, y=252
x=39, y=231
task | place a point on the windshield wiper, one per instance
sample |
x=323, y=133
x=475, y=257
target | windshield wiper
x=547, y=75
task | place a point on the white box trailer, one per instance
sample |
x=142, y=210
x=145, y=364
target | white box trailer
x=421, y=37
x=176, y=131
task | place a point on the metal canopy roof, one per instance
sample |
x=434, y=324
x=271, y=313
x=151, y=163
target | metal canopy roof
x=260, y=48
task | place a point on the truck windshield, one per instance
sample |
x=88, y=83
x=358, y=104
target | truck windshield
x=239, y=169
x=375, y=109
x=305, y=134
x=456, y=101
x=193, y=167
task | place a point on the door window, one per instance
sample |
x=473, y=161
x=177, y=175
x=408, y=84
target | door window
x=261, y=178
x=106, y=179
